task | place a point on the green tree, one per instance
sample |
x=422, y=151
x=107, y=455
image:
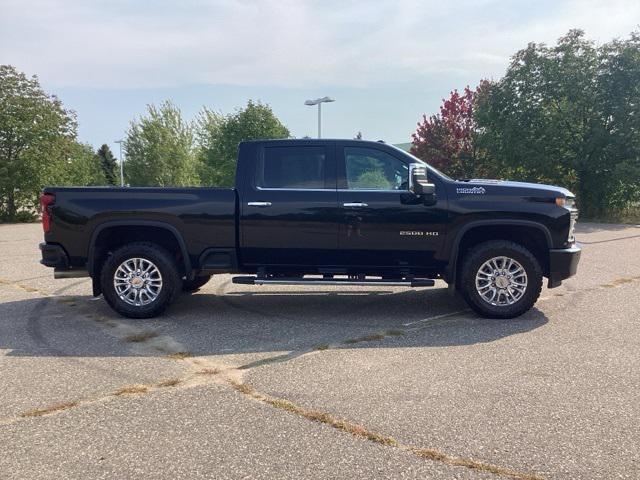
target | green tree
x=81, y=167
x=108, y=164
x=159, y=149
x=34, y=130
x=219, y=136
x=569, y=115
x=75, y=165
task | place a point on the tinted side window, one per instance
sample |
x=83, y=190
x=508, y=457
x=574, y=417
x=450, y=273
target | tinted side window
x=371, y=169
x=292, y=167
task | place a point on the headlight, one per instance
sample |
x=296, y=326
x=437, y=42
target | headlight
x=570, y=204
x=566, y=202
x=572, y=226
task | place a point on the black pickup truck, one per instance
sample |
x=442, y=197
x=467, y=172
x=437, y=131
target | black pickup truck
x=316, y=212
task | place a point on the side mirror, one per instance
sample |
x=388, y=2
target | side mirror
x=418, y=182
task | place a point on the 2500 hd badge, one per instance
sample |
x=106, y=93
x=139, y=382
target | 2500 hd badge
x=418, y=233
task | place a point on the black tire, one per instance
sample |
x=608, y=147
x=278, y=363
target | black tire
x=191, y=286
x=486, y=251
x=164, y=262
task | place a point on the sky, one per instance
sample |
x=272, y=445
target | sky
x=385, y=62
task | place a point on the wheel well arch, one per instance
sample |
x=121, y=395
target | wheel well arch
x=531, y=235
x=111, y=235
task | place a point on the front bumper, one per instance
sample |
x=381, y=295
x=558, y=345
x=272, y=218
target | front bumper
x=563, y=263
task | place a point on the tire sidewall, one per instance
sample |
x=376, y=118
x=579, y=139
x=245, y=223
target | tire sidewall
x=171, y=281
x=486, y=251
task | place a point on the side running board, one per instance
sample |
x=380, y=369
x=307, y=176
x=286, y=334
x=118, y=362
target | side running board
x=416, y=282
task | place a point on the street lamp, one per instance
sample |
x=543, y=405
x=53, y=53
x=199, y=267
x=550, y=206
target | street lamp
x=319, y=102
x=119, y=142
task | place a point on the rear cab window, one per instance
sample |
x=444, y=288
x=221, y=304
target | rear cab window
x=294, y=168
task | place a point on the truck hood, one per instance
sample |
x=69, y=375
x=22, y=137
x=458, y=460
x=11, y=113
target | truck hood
x=516, y=188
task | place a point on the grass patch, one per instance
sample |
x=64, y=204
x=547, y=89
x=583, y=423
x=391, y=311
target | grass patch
x=328, y=419
x=179, y=355
x=362, y=432
x=171, y=382
x=208, y=371
x=373, y=337
x=394, y=332
x=322, y=346
x=367, y=338
x=622, y=281
x=314, y=415
x=38, y=412
x=131, y=390
x=243, y=388
x=140, y=337
x=432, y=454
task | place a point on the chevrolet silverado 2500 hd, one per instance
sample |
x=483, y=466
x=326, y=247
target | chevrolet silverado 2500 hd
x=309, y=212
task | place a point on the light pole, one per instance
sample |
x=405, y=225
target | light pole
x=119, y=142
x=319, y=102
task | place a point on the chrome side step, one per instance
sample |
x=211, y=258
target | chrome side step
x=416, y=282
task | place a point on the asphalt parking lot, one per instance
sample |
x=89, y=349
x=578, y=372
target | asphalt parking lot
x=307, y=382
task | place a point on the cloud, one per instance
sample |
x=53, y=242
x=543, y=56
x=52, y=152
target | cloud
x=136, y=44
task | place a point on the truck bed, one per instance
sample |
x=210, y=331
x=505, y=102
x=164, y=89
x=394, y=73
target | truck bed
x=205, y=217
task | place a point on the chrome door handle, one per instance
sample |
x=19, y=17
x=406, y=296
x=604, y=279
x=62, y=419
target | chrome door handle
x=354, y=204
x=259, y=204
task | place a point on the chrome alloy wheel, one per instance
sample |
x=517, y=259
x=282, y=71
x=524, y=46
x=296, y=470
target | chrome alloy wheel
x=137, y=281
x=501, y=281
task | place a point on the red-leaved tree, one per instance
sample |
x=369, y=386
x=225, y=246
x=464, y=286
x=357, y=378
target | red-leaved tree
x=446, y=140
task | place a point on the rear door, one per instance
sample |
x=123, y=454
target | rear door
x=383, y=224
x=289, y=210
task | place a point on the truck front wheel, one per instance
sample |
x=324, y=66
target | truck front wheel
x=140, y=280
x=500, y=279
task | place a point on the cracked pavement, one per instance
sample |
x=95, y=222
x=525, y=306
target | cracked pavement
x=311, y=382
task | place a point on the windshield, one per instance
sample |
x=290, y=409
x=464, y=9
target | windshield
x=415, y=159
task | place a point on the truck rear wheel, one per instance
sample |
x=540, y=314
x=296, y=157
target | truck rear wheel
x=500, y=279
x=140, y=280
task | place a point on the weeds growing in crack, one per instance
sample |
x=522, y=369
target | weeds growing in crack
x=322, y=346
x=432, y=454
x=314, y=415
x=131, y=390
x=179, y=355
x=140, y=337
x=394, y=332
x=366, y=338
x=362, y=432
x=38, y=412
x=243, y=388
x=171, y=382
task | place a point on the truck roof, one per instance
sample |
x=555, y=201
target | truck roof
x=314, y=140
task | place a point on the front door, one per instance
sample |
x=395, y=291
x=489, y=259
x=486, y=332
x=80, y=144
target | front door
x=289, y=213
x=383, y=224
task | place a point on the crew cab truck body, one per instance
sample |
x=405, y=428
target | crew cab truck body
x=316, y=212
